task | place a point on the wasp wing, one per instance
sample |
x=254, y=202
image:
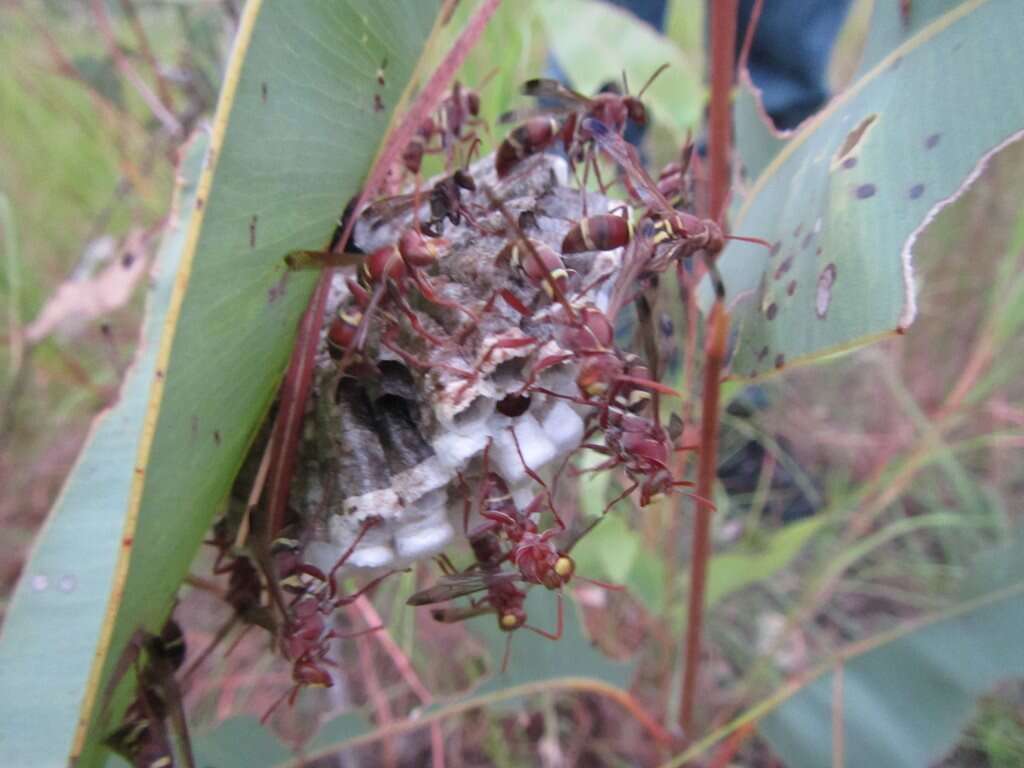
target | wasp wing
x=389, y=207
x=525, y=113
x=624, y=153
x=460, y=585
x=545, y=88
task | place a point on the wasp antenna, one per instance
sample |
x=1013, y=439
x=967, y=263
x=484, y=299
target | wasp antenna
x=652, y=78
x=603, y=584
x=754, y=240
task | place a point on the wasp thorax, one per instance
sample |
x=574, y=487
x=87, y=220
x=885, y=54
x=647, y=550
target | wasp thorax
x=417, y=250
x=384, y=263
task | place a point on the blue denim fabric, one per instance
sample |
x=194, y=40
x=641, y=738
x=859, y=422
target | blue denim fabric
x=790, y=52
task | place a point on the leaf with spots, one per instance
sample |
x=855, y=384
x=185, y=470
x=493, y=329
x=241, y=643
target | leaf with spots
x=846, y=197
x=307, y=98
x=55, y=618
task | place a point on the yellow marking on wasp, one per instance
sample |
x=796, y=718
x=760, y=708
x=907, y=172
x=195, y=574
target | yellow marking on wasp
x=639, y=396
x=585, y=232
x=509, y=621
x=555, y=274
x=351, y=318
x=564, y=567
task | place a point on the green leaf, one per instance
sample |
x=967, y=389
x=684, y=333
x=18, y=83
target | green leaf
x=757, y=141
x=846, y=197
x=300, y=118
x=888, y=29
x=595, y=42
x=608, y=551
x=732, y=571
x=906, y=696
x=56, y=617
x=242, y=741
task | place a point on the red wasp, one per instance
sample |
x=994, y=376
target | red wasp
x=643, y=448
x=533, y=136
x=503, y=598
x=305, y=638
x=532, y=551
x=454, y=123
x=589, y=338
x=602, y=232
x=687, y=233
x=386, y=273
x=611, y=108
x=445, y=199
x=539, y=264
x=143, y=737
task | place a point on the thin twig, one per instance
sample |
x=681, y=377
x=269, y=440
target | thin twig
x=162, y=89
x=167, y=119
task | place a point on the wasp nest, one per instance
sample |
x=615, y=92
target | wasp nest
x=398, y=434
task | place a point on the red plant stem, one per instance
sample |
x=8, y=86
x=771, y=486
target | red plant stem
x=724, y=756
x=723, y=49
x=298, y=382
x=299, y=378
x=718, y=333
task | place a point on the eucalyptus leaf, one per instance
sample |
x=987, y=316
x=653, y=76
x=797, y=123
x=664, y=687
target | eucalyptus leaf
x=56, y=617
x=307, y=98
x=905, y=696
x=843, y=202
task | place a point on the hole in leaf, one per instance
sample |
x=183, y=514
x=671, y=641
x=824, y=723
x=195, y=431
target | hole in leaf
x=854, y=137
x=826, y=280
